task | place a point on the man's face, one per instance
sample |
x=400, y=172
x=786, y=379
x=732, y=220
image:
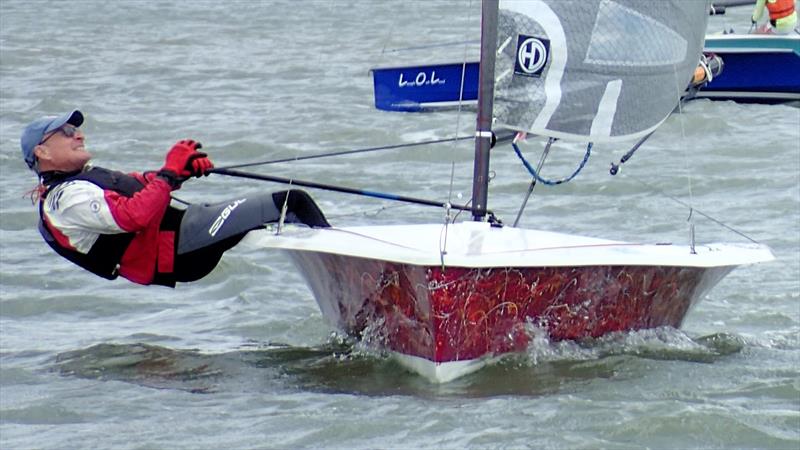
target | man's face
x=62, y=150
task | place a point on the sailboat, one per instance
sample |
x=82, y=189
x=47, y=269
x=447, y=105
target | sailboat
x=445, y=299
x=777, y=57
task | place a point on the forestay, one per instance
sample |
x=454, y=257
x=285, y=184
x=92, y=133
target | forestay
x=594, y=70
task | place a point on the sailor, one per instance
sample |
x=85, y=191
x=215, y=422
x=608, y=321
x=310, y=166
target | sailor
x=782, y=16
x=112, y=223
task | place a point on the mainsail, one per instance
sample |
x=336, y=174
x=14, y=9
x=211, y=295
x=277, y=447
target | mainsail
x=594, y=70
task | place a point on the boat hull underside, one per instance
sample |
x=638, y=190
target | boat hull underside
x=460, y=314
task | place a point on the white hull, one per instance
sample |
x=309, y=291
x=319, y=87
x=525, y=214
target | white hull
x=477, y=244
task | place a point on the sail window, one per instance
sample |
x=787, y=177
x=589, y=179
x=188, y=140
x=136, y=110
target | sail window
x=655, y=44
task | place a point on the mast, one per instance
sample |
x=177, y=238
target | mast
x=483, y=129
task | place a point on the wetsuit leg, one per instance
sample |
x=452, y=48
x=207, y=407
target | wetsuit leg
x=203, y=225
x=196, y=264
x=208, y=230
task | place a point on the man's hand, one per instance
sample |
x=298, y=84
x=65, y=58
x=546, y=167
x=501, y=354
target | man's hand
x=184, y=161
x=201, y=164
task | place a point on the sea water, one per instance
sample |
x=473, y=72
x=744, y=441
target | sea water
x=244, y=359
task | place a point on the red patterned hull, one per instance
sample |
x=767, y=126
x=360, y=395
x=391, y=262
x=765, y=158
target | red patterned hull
x=460, y=314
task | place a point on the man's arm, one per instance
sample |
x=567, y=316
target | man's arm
x=136, y=213
x=758, y=10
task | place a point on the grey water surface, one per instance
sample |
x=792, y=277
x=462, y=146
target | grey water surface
x=243, y=358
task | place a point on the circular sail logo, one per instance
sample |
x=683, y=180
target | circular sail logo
x=532, y=55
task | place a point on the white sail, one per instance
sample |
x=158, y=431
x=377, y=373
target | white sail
x=594, y=70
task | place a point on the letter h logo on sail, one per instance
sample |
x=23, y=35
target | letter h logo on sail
x=532, y=53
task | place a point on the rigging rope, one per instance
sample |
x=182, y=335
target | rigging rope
x=347, y=152
x=552, y=182
x=682, y=122
x=458, y=126
x=692, y=210
x=615, y=167
x=447, y=216
x=545, y=152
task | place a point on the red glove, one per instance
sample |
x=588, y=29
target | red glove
x=185, y=161
x=201, y=165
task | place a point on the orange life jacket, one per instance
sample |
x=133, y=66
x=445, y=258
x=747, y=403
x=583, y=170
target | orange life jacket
x=779, y=9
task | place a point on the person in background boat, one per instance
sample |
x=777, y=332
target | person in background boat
x=112, y=223
x=782, y=16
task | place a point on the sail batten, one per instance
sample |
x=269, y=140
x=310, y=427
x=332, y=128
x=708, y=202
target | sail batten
x=601, y=125
x=594, y=70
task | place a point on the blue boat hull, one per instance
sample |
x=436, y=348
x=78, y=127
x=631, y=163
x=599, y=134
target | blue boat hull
x=415, y=88
x=758, y=68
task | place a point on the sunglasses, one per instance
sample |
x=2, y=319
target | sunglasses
x=67, y=130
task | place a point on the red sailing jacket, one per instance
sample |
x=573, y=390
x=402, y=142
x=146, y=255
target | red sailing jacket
x=112, y=223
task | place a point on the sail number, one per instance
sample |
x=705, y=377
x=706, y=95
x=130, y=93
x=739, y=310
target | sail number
x=421, y=79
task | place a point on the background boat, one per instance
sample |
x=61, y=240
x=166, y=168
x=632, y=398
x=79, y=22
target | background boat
x=757, y=69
